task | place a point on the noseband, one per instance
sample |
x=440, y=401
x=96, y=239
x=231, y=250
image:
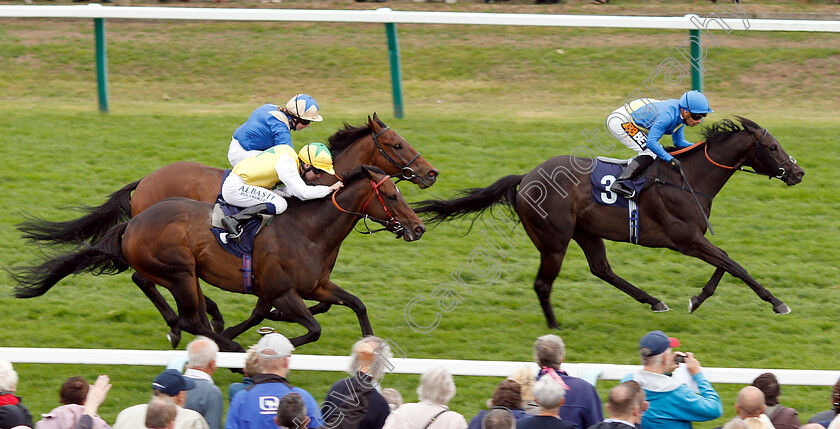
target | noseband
x=763, y=157
x=391, y=224
x=406, y=172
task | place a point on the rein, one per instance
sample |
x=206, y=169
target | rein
x=391, y=222
x=763, y=157
x=407, y=173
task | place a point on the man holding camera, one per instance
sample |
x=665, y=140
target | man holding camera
x=673, y=405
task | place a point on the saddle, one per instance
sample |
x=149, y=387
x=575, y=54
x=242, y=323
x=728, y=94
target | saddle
x=604, y=174
x=245, y=246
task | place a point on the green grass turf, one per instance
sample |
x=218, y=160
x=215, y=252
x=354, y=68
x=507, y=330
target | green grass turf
x=481, y=102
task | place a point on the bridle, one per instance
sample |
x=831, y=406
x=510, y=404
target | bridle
x=406, y=172
x=391, y=224
x=763, y=157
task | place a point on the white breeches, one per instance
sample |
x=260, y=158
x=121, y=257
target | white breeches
x=237, y=193
x=620, y=125
x=236, y=153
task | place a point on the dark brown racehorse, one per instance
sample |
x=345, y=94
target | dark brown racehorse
x=669, y=214
x=171, y=245
x=373, y=144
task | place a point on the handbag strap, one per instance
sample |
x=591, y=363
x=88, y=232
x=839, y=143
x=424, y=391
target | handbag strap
x=434, y=418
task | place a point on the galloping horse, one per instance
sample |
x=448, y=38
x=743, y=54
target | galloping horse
x=374, y=144
x=171, y=245
x=669, y=214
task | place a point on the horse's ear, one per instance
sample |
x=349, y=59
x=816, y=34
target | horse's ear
x=749, y=125
x=366, y=171
x=372, y=123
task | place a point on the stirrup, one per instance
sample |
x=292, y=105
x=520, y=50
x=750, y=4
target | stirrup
x=235, y=232
x=623, y=190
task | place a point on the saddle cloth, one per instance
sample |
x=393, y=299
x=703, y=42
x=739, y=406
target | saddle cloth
x=604, y=174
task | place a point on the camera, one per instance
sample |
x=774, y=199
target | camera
x=679, y=359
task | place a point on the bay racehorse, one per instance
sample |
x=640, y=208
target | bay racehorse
x=669, y=215
x=171, y=245
x=373, y=143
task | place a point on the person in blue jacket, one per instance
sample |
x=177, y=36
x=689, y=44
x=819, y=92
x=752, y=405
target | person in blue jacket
x=673, y=405
x=641, y=123
x=271, y=125
x=256, y=406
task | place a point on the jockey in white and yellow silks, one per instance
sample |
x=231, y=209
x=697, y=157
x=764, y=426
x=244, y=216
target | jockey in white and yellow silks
x=271, y=125
x=640, y=125
x=279, y=167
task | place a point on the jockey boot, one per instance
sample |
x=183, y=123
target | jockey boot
x=630, y=172
x=233, y=224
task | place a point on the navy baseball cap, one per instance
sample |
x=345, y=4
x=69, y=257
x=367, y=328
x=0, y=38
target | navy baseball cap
x=657, y=342
x=171, y=382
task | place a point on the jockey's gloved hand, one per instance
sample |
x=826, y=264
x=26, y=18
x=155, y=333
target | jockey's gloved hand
x=675, y=164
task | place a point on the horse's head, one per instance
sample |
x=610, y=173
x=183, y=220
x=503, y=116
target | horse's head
x=398, y=158
x=377, y=144
x=378, y=198
x=769, y=158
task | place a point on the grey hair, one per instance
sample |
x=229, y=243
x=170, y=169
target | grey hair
x=550, y=351
x=8, y=377
x=377, y=368
x=548, y=392
x=649, y=359
x=436, y=386
x=160, y=412
x=498, y=419
x=736, y=423
x=201, y=351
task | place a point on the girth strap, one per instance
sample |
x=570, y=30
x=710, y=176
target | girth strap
x=247, y=272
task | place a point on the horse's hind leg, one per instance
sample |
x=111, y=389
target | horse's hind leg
x=217, y=322
x=702, y=248
x=707, y=291
x=169, y=315
x=596, y=256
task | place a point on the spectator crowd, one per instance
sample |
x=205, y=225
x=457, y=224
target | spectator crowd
x=669, y=391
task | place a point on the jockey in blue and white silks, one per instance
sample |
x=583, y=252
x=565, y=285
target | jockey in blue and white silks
x=641, y=124
x=270, y=125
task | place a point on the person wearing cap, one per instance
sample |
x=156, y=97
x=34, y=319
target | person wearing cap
x=248, y=184
x=271, y=125
x=256, y=407
x=641, y=123
x=625, y=407
x=168, y=384
x=206, y=398
x=673, y=405
x=582, y=404
x=354, y=402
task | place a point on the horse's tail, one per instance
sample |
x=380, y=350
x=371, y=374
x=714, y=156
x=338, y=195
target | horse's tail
x=471, y=200
x=104, y=257
x=90, y=227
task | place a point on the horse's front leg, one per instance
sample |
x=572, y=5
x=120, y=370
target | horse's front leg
x=702, y=248
x=330, y=293
x=707, y=291
x=260, y=312
x=278, y=316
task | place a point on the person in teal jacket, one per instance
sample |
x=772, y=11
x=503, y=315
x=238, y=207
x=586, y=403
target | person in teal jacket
x=673, y=405
x=640, y=124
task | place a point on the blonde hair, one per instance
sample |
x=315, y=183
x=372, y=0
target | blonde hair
x=524, y=375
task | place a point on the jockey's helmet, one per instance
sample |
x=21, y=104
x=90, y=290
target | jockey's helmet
x=318, y=156
x=695, y=102
x=304, y=107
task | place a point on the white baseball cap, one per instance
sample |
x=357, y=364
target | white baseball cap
x=274, y=346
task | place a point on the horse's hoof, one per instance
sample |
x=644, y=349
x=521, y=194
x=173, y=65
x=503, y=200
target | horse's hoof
x=693, y=304
x=781, y=309
x=174, y=338
x=659, y=307
x=217, y=325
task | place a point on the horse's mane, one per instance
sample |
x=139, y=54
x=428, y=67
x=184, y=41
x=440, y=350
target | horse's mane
x=348, y=135
x=721, y=130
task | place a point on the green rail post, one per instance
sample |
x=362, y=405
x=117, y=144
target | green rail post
x=696, y=61
x=101, y=64
x=396, y=74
